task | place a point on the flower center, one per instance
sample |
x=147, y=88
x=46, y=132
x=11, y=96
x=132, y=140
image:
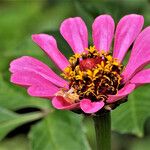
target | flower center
x=93, y=75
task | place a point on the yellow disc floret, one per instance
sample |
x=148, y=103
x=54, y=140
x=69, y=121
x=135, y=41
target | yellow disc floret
x=93, y=74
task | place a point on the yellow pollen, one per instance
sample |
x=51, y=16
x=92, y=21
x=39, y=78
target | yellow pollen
x=94, y=75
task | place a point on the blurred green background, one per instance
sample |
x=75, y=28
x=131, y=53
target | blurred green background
x=28, y=123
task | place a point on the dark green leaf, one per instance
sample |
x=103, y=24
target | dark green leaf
x=130, y=117
x=60, y=130
x=10, y=120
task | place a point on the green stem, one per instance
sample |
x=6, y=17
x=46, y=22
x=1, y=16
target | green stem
x=102, y=124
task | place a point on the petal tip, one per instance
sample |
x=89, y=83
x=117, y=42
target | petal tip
x=59, y=102
x=90, y=107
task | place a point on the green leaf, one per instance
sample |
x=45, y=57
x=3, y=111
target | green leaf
x=10, y=120
x=131, y=116
x=19, y=142
x=61, y=130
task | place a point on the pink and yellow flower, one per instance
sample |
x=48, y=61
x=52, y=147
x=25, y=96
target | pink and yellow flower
x=94, y=79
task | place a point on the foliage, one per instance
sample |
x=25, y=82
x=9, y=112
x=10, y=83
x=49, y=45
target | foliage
x=53, y=129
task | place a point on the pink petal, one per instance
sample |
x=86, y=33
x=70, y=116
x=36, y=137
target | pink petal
x=49, y=45
x=30, y=64
x=127, y=30
x=36, y=84
x=75, y=33
x=141, y=77
x=90, y=107
x=127, y=89
x=59, y=102
x=103, y=31
x=140, y=55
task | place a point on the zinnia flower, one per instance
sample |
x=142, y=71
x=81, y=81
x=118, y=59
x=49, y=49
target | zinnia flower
x=94, y=80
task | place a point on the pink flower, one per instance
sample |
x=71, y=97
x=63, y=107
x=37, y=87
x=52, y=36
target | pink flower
x=95, y=80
